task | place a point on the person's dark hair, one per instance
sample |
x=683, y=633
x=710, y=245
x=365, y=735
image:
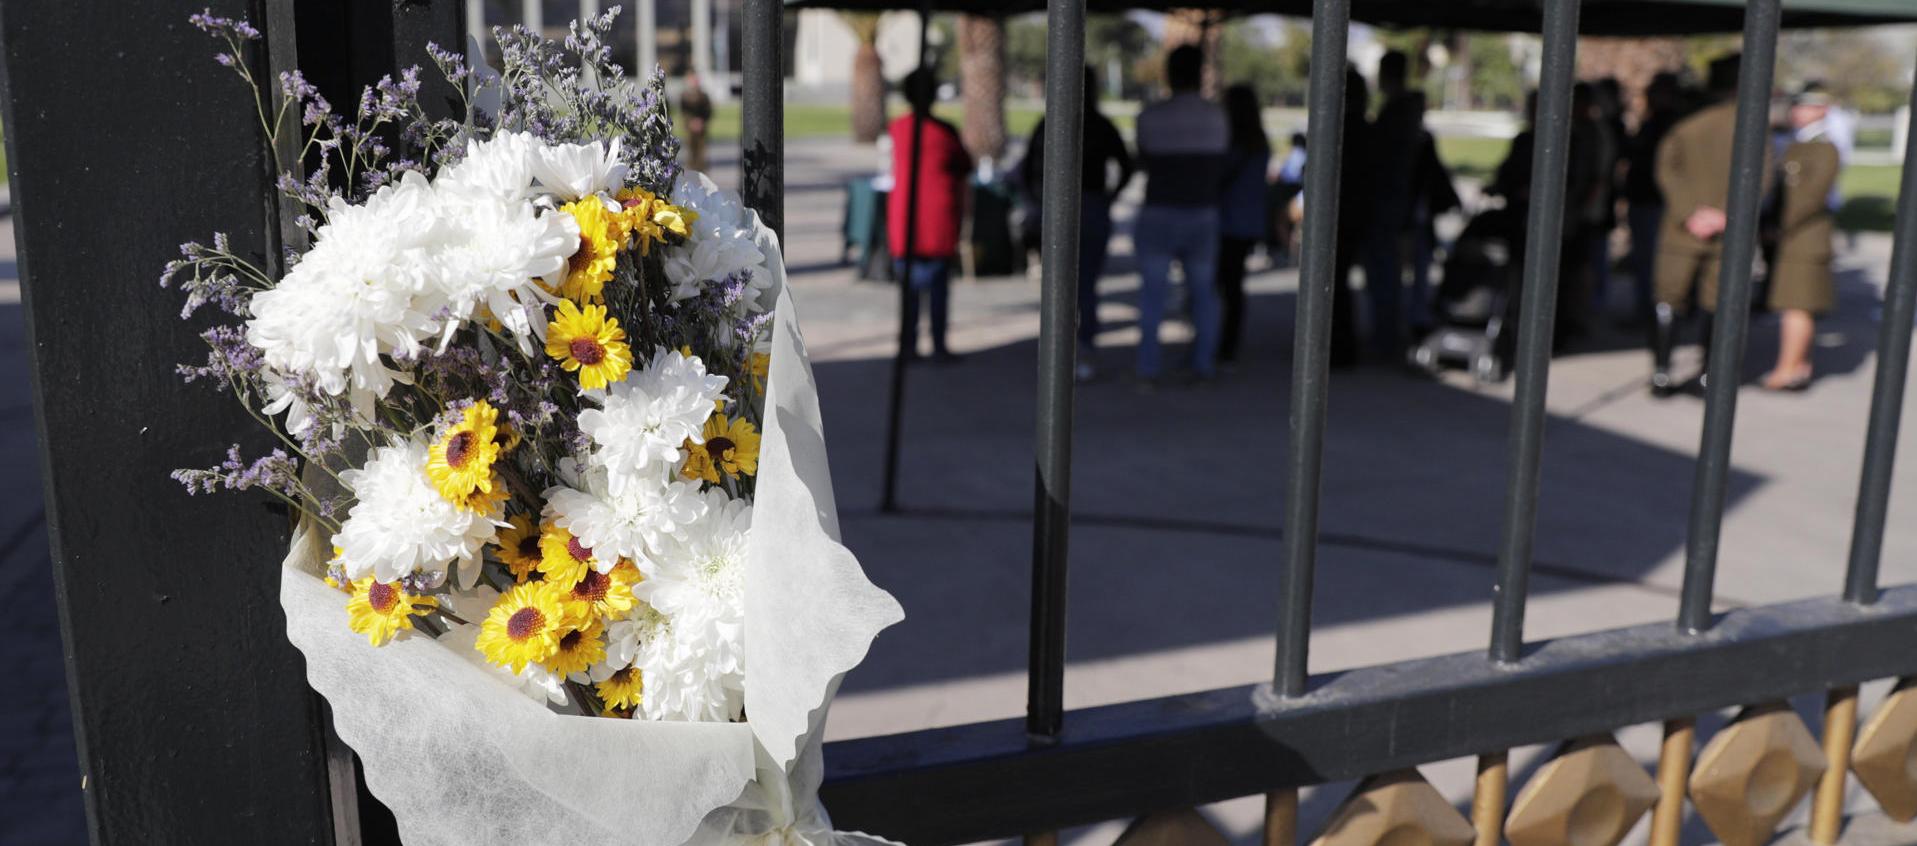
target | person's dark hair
x=1298, y=140
x=1393, y=67
x=921, y=89
x=1185, y=68
x=1247, y=123
x=1723, y=74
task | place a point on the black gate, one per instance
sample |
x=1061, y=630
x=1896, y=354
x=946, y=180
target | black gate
x=116, y=102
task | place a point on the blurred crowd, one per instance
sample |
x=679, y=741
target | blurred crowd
x=1644, y=198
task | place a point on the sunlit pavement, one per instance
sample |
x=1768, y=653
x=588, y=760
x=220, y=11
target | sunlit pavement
x=1178, y=502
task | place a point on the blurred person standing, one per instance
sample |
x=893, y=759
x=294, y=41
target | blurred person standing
x=1243, y=211
x=943, y=180
x=1835, y=125
x=696, y=110
x=1356, y=172
x=1801, y=283
x=1393, y=136
x=1103, y=151
x=1644, y=203
x=1182, y=144
x=1607, y=123
x=1432, y=196
x=1290, y=183
x=1694, y=174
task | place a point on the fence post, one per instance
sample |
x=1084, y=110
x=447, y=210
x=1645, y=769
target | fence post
x=191, y=710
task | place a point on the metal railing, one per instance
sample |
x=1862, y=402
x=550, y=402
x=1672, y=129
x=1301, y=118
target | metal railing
x=1056, y=769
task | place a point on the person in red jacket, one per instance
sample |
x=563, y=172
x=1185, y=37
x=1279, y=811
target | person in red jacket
x=942, y=185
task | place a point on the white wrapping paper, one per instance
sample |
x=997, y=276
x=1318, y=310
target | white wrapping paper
x=462, y=758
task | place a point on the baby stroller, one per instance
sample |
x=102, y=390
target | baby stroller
x=1476, y=308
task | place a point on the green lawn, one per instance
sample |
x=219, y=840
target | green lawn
x=815, y=120
x=1870, y=191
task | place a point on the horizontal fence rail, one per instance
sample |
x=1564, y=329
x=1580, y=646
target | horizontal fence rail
x=980, y=781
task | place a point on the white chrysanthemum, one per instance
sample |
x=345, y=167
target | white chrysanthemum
x=365, y=290
x=699, y=584
x=720, y=243
x=572, y=171
x=281, y=398
x=642, y=421
x=501, y=167
x=490, y=253
x=681, y=683
x=629, y=524
x=400, y=525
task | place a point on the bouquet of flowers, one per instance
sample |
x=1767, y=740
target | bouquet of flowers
x=550, y=430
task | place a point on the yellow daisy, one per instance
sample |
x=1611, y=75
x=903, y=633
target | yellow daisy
x=606, y=594
x=563, y=560
x=623, y=690
x=731, y=449
x=601, y=233
x=651, y=218
x=518, y=546
x=524, y=626
x=590, y=342
x=580, y=647
x=757, y=368
x=380, y=610
x=461, y=461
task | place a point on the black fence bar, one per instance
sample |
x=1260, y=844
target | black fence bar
x=1887, y=397
x=762, y=125
x=1311, y=350
x=190, y=708
x=1123, y=761
x=1058, y=312
x=1748, y=155
x=908, y=327
x=1543, y=243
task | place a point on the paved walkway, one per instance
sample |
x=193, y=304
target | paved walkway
x=1178, y=502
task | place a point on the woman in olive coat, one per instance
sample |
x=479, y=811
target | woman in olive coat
x=1801, y=283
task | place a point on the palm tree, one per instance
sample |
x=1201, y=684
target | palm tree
x=981, y=44
x=868, y=81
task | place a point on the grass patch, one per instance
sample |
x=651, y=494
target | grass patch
x=1476, y=158
x=822, y=120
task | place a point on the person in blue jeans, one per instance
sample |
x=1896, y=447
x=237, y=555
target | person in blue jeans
x=1101, y=146
x=1182, y=145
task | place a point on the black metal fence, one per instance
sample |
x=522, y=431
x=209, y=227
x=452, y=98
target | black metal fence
x=120, y=102
x=1056, y=769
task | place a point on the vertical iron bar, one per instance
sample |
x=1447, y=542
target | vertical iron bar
x=908, y=334
x=762, y=127
x=1544, y=239
x=1733, y=312
x=1311, y=354
x=1887, y=397
x=1058, y=315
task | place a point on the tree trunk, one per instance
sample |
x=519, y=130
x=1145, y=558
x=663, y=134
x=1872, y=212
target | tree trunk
x=981, y=43
x=868, y=78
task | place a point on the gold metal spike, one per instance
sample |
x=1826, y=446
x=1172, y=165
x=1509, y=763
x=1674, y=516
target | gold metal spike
x=1172, y=828
x=1886, y=756
x=1589, y=795
x=1400, y=809
x=1753, y=773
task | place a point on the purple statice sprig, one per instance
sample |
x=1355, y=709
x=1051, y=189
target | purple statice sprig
x=214, y=274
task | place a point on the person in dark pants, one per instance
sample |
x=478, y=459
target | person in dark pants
x=1242, y=213
x=942, y=173
x=695, y=111
x=1102, y=149
x=1644, y=203
x=1394, y=136
x=1354, y=217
